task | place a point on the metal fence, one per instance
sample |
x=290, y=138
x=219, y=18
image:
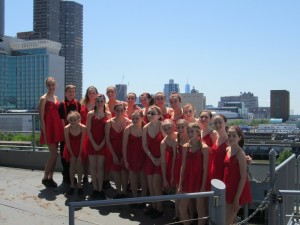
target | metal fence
x=19, y=123
x=217, y=204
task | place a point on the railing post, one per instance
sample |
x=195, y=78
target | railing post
x=33, y=132
x=71, y=215
x=217, y=204
x=271, y=209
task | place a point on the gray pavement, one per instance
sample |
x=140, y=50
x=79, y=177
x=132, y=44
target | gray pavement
x=24, y=200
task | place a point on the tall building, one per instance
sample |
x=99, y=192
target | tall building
x=1, y=20
x=24, y=67
x=169, y=88
x=121, y=92
x=71, y=14
x=62, y=21
x=280, y=104
x=46, y=14
x=187, y=88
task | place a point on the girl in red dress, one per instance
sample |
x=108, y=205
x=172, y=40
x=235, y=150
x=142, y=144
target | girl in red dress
x=133, y=153
x=175, y=101
x=114, y=129
x=189, y=113
x=51, y=129
x=193, y=173
x=95, y=146
x=73, y=153
x=219, y=148
x=146, y=101
x=87, y=104
x=152, y=137
x=131, y=106
x=208, y=136
x=235, y=175
x=160, y=101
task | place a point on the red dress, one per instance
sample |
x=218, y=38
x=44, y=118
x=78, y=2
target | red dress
x=53, y=125
x=193, y=172
x=218, y=166
x=169, y=161
x=178, y=164
x=154, y=147
x=83, y=112
x=75, y=145
x=231, y=180
x=116, y=139
x=208, y=141
x=135, y=153
x=98, y=133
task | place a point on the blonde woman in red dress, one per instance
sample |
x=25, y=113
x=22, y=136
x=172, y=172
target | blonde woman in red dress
x=134, y=155
x=51, y=129
x=193, y=173
x=238, y=190
x=96, y=148
x=160, y=101
x=114, y=130
x=73, y=152
x=152, y=137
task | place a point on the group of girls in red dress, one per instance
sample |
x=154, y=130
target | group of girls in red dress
x=156, y=148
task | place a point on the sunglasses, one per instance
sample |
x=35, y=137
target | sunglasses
x=152, y=113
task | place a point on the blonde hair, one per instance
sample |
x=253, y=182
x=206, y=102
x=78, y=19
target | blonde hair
x=73, y=114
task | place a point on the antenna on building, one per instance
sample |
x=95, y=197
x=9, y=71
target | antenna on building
x=122, y=80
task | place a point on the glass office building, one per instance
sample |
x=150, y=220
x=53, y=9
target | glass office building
x=24, y=67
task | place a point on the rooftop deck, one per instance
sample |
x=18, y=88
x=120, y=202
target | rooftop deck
x=24, y=200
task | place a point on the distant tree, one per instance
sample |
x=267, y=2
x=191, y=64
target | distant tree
x=285, y=154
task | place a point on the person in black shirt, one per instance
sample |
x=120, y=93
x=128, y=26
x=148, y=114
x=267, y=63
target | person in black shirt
x=66, y=106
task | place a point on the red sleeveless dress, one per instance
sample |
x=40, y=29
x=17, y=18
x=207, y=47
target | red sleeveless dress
x=208, y=141
x=169, y=161
x=178, y=164
x=116, y=139
x=135, y=153
x=75, y=145
x=154, y=147
x=231, y=180
x=218, y=166
x=193, y=172
x=83, y=113
x=98, y=133
x=53, y=125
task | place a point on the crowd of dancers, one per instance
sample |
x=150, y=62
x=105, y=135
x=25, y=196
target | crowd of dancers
x=155, y=148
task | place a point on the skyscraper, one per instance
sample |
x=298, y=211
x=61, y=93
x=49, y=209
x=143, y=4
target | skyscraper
x=121, y=92
x=169, y=88
x=46, y=19
x=1, y=20
x=71, y=14
x=61, y=21
x=280, y=104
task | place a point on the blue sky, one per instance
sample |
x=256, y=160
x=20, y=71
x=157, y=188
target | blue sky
x=221, y=47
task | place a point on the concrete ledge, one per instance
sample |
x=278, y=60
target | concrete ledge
x=26, y=159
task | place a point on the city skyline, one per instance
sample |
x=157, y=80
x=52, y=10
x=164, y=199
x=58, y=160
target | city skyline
x=221, y=48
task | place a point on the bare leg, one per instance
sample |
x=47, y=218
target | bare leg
x=124, y=180
x=100, y=171
x=51, y=162
x=157, y=184
x=184, y=210
x=93, y=170
x=133, y=179
x=200, y=203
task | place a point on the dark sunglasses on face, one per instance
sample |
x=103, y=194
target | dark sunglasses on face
x=151, y=113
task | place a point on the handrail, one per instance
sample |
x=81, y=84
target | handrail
x=217, y=203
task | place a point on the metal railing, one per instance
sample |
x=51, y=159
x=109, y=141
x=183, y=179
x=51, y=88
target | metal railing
x=16, y=123
x=217, y=205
